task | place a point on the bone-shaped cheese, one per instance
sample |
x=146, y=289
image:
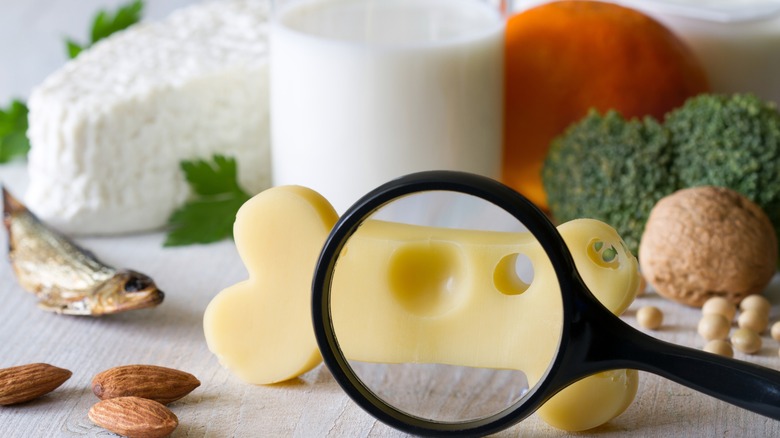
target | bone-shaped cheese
x=261, y=328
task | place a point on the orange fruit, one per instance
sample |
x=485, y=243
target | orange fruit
x=563, y=58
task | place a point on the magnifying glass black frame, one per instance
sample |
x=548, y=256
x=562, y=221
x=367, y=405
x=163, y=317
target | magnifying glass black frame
x=592, y=339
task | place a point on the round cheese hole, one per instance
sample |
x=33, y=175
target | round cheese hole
x=514, y=274
x=426, y=278
x=603, y=254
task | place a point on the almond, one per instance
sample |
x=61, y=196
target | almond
x=161, y=384
x=134, y=417
x=26, y=382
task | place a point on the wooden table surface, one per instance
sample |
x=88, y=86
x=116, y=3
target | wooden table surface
x=172, y=335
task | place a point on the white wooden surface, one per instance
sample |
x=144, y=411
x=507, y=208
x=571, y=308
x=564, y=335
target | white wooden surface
x=171, y=335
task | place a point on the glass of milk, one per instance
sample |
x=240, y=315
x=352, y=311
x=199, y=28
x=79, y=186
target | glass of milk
x=365, y=91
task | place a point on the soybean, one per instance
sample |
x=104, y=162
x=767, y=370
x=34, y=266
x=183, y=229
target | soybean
x=753, y=319
x=713, y=326
x=719, y=347
x=746, y=341
x=721, y=306
x=649, y=317
x=755, y=302
x=775, y=331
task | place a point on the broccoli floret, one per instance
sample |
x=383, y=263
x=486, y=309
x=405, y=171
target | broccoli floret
x=730, y=142
x=610, y=169
x=614, y=170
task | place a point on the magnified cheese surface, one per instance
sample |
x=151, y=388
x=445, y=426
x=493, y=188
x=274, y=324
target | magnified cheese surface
x=408, y=293
x=404, y=293
x=109, y=129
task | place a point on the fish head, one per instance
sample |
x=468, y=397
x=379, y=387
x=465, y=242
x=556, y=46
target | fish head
x=127, y=290
x=11, y=207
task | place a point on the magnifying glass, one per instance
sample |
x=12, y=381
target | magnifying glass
x=446, y=303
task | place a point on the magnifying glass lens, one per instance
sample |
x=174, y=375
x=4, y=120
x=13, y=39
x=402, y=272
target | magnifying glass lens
x=445, y=307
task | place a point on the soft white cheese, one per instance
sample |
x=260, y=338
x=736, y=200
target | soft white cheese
x=109, y=129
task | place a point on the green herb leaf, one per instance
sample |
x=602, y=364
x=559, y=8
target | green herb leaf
x=212, y=178
x=209, y=215
x=73, y=48
x=13, y=132
x=105, y=23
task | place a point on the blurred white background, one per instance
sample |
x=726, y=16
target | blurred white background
x=33, y=32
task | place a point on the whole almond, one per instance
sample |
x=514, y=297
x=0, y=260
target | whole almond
x=134, y=417
x=161, y=384
x=26, y=382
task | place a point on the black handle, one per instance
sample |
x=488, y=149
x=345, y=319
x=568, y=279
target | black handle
x=613, y=344
x=740, y=383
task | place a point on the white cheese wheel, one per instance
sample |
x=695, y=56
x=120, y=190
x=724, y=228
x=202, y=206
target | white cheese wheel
x=109, y=129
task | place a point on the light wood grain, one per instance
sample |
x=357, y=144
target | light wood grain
x=171, y=335
x=313, y=405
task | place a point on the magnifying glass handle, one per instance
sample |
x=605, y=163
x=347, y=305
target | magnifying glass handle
x=740, y=383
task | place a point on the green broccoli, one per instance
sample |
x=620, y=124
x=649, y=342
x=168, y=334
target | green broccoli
x=615, y=170
x=730, y=142
x=609, y=169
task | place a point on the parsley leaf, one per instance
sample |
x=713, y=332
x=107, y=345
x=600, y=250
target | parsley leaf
x=105, y=23
x=209, y=216
x=73, y=48
x=13, y=132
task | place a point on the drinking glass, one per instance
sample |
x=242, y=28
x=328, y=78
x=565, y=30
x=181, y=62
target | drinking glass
x=364, y=91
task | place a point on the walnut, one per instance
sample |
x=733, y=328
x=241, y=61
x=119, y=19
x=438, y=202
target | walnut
x=707, y=241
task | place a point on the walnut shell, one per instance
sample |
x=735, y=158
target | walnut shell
x=707, y=241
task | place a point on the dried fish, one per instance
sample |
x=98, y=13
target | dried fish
x=66, y=278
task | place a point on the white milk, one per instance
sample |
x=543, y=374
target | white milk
x=365, y=91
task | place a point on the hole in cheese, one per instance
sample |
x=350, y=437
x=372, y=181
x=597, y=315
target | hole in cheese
x=425, y=277
x=603, y=254
x=514, y=274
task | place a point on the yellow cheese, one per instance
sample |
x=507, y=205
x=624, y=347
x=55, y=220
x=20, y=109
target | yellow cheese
x=591, y=401
x=261, y=328
x=597, y=399
x=407, y=293
x=404, y=293
x=410, y=293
